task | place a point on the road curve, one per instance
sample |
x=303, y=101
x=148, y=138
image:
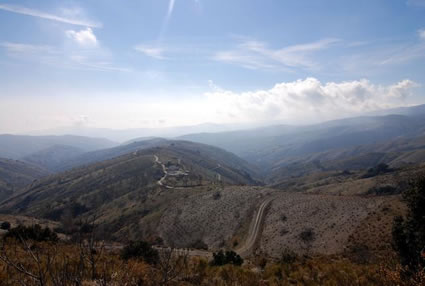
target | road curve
x=164, y=169
x=254, y=230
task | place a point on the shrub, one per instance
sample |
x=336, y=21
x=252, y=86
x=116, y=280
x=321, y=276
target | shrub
x=217, y=196
x=409, y=233
x=229, y=257
x=140, y=250
x=34, y=232
x=307, y=235
x=199, y=244
x=383, y=190
x=288, y=256
x=5, y=225
x=377, y=170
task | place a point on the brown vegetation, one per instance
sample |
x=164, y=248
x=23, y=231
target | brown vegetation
x=30, y=263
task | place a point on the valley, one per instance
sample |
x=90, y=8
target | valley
x=289, y=191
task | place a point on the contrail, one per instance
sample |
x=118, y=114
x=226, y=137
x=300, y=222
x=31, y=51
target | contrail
x=170, y=8
x=167, y=19
x=35, y=13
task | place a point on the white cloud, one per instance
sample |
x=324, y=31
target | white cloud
x=297, y=102
x=257, y=55
x=150, y=51
x=84, y=38
x=35, y=13
x=308, y=100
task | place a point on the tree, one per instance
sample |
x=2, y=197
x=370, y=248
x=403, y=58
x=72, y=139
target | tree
x=229, y=257
x=409, y=232
x=34, y=232
x=140, y=250
x=307, y=237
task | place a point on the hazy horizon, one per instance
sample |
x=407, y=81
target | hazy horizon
x=166, y=63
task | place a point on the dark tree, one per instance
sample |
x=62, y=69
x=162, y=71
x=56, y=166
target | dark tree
x=5, y=225
x=140, y=250
x=409, y=232
x=34, y=232
x=229, y=257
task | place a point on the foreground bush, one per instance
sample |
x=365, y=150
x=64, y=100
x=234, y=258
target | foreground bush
x=48, y=263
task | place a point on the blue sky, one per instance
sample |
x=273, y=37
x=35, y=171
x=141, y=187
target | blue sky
x=154, y=63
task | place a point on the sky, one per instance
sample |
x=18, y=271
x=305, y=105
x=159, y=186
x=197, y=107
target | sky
x=158, y=63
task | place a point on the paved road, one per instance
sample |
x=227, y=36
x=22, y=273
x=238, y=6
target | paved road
x=255, y=228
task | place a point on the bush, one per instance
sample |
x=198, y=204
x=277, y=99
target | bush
x=308, y=235
x=34, y=232
x=377, y=170
x=409, y=232
x=383, y=190
x=288, y=256
x=5, y=225
x=217, y=196
x=140, y=250
x=199, y=244
x=229, y=257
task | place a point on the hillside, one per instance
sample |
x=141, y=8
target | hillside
x=396, y=153
x=268, y=146
x=15, y=175
x=54, y=157
x=19, y=146
x=88, y=158
x=128, y=186
x=193, y=208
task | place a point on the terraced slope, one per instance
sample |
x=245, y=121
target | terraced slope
x=260, y=220
x=314, y=223
x=214, y=218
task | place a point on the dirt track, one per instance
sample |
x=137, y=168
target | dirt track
x=164, y=169
x=255, y=228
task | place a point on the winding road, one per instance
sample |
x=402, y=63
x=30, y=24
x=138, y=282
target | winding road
x=164, y=169
x=254, y=230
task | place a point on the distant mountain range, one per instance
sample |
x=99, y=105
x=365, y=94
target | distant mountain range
x=284, y=149
x=124, y=135
x=19, y=146
x=279, y=151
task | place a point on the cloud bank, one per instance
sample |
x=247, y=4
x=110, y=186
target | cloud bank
x=297, y=102
x=309, y=100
